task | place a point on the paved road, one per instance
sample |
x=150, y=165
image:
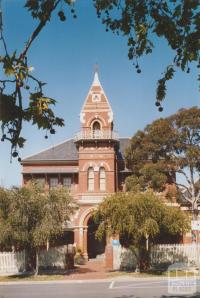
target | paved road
x=95, y=289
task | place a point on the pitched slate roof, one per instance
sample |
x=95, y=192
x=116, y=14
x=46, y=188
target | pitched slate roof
x=67, y=151
x=64, y=151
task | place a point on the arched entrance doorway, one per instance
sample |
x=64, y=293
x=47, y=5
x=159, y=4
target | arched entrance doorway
x=94, y=247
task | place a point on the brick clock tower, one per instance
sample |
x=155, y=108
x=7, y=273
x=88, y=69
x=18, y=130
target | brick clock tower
x=97, y=145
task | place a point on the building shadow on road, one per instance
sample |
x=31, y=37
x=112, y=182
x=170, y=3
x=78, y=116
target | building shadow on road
x=196, y=295
x=126, y=296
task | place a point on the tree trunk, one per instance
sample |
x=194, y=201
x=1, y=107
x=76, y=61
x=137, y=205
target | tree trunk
x=29, y=258
x=194, y=217
x=195, y=232
x=144, y=255
x=47, y=245
x=37, y=261
x=147, y=242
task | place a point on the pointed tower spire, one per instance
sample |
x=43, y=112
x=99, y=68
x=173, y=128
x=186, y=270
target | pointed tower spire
x=96, y=81
x=96, y=106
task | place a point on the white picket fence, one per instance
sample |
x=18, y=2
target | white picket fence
x=15, y=262
x=172, y=253
x=12, y=262
x=160, y=255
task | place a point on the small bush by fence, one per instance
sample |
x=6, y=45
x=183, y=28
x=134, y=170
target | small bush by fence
x=54, y=258
x=129, y=260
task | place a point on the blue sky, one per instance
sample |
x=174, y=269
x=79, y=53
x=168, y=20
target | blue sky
x=64, y=56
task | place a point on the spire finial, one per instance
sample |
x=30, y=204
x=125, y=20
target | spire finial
x=96, y=76
x=96, y=68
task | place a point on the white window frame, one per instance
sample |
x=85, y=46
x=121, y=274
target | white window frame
x=67, y=182
x=90, y=178
x=102, y=179
x=52, y=183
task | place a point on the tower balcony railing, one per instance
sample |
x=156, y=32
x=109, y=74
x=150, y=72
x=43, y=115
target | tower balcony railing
x=96, y=135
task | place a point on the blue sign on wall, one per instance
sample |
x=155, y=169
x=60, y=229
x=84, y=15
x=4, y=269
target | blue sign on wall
x=115, y=242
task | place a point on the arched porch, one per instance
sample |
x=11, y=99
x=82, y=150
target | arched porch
x=95, y=247
x=85, y=236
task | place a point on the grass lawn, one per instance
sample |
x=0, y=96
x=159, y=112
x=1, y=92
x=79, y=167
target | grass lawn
x=64, y=276
x=150, y=274
x=32, y=277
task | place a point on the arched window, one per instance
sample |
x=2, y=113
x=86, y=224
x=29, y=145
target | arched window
x=96, y=125
x=90, y=179
x=96, y=128
x=102, y=179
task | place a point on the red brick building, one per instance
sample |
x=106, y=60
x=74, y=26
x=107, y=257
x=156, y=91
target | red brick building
x=91, y=165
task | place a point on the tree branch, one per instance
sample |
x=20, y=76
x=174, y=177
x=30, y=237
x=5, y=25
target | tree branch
x=184, y=186
x=198, y=197
x=4, y=44
x=36, y=32
x=185, y=175
x=40, y=84
x=185, y=197
x=7, y=81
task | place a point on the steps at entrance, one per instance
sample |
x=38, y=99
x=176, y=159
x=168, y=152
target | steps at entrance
x=98, y=258
x=93, y=269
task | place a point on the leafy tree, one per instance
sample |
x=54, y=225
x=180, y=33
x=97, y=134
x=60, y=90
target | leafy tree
x=5, y=198
x=138, y=218
x=19, y=83
x=30, y=217
x=141, y=22
x=166, y=150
